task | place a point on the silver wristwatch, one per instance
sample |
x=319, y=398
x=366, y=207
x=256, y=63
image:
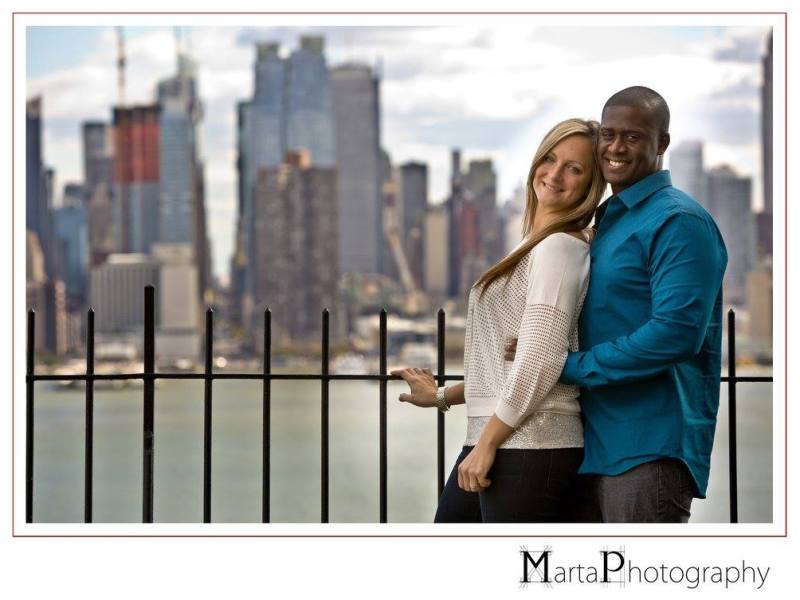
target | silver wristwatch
x=441, y=403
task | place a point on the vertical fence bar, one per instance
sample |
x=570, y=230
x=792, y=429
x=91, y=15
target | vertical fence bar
x=29, y=417
x=439, y=414
x=207, y=406
x=732, y=416
x=266, y=415
x=325, y=411
x=148, y=411
x=382, y=420
x=89, y=443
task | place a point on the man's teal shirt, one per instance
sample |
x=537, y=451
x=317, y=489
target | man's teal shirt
x=651, y=332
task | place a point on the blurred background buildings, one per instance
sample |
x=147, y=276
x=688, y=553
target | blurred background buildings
x=325, y=219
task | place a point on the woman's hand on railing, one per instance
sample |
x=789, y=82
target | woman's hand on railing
x=422, y=386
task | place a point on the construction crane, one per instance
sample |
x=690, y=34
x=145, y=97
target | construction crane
x=176, y=31
x=416, y=301
x=120, y=66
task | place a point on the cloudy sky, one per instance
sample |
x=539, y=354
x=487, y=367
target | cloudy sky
x=491, y=90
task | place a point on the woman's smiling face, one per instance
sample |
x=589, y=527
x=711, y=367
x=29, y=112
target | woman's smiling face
x=564, y=175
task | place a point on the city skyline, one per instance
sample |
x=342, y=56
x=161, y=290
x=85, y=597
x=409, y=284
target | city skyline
x=426, y=104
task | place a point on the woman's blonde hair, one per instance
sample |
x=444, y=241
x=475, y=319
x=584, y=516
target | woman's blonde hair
x=573, y=219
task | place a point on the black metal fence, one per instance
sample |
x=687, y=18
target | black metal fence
x=149, y=375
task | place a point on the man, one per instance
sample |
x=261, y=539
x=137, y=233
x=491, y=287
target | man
x=651, y=329
x=651, y=326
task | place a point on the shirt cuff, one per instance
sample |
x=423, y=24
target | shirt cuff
x=570, y=374
x=508, y=415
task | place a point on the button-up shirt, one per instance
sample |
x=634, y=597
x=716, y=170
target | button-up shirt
x=651, y=332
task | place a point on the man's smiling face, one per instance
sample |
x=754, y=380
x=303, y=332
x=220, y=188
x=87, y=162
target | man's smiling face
x=631, y=142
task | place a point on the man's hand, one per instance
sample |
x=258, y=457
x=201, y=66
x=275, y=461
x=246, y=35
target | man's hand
x=422, y=384
x=510, y=350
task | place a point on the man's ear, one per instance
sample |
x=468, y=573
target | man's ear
x=663, y=143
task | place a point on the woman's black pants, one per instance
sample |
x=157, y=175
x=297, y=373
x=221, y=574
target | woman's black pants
x=528, y=486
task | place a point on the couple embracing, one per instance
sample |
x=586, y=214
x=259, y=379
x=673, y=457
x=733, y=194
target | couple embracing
x=592, y=353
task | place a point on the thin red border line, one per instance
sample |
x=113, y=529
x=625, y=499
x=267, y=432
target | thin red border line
x=13, y=279
x=395, y=13
x=786, y=269
x=394, y=535
x=785, y=265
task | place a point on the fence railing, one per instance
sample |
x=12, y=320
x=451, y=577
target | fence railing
x=149, y=376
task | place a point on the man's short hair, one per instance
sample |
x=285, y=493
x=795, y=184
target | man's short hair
x=646, y=99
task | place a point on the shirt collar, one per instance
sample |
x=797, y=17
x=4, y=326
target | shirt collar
x=643, y=188
x=601, y=210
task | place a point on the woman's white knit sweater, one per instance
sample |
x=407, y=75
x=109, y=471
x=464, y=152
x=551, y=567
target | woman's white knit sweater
x=538, y=304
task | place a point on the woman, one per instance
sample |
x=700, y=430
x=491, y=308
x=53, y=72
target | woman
x=524, y=433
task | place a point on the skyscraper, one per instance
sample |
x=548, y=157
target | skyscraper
x=46, y=201
x=181, y=207
x=261, y=142
x=309, y=113
x=388, y=190
x=177, y=147
x=729, y=202
x=453, y=203
x=413, y=195
x=35, y=286
x=71, y=245
x=47, y=297
x=33, y=165
x=356, y=109
x=296, y=264
x=472, y=261
x=765, y=217
x=481, y=181
x=686, y=169
x=436, y=252
x=265, y=115
x=766, y=125
x=98, y=168
x=136, y=176
x=97, y=155
x=412, y=204
x=476, y=229
x=37, y=197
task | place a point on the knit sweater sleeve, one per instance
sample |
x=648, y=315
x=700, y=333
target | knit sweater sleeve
x=558, y=275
